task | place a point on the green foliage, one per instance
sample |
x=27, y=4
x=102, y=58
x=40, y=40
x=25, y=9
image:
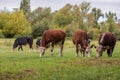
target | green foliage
x=71, y=28
x=40, y=19
x=14, y=23
x=111, y=18
x=84, y=8
x=25, y=7
x=62, y=20
x=97, y=14
x=69, y=18
x=93, y=33
x=104, y=27
x=63, y=16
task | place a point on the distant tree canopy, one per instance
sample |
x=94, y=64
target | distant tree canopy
x=25, y=7
x=40, y=19
x=14, y=23
x=69, y=18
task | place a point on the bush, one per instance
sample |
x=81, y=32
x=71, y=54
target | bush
x=71, y=28
x=14, y=23
x=93, y=33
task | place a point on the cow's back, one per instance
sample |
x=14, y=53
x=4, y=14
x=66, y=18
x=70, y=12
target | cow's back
x=58, y=35
x=52, y=36
x=21, y=40
x=79, y=36
x=107, y=39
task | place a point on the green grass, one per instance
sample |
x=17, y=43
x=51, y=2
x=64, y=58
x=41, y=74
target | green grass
x=25, y=65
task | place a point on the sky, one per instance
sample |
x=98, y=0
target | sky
x=104, y=5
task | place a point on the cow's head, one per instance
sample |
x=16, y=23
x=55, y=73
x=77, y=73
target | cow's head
x=99, y=50
x=42, y=51
x=88, y=50
x=15, y=45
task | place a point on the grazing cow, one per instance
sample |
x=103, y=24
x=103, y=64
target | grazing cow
x=81, y=41
x=52, y=37
x=38, y=42
x=107, y=42
x=23, y=41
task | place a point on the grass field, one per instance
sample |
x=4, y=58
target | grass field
x=25, y=65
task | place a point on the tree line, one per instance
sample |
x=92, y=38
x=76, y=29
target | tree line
x=23, y=21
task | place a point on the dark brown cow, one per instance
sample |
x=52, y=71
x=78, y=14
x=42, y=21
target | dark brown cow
x=80, y=39
x=107, y=42
x=52, y=37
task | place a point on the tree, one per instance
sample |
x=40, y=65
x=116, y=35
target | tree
x=61, y=20
x=119, y=22
x=84, y=8
x=14, y=23
x=40, y=21
x=90, y=21
x=71, y=28
x=97, y=14
x=25, y=6
x=63, y=16
x=76, y=13
x=111, y=17
x=104, y=27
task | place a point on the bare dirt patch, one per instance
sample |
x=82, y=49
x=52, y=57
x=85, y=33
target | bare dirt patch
x=7, y=75
x=95, y=62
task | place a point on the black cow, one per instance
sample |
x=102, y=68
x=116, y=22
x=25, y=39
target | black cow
x=23, y=41
x=38, y=43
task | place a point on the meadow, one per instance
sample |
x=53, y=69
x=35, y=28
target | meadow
x=27, y=65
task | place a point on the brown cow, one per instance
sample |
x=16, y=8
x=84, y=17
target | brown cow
x=107, y=42
x=80, y=39
x=52, y=37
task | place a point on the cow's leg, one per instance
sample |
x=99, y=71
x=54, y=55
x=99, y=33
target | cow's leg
x=83, y=53
x=61, y=47
x=30, y=46
x=77, y=50
x=51, y=48
x=109, y=52
x=61, y=50
x=21, y=47
x=18, y=48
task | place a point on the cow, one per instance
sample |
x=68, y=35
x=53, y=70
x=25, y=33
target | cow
x=38, y=42
x=23, y=41
x=81, y=41
x=107, y=41
x=52, y=37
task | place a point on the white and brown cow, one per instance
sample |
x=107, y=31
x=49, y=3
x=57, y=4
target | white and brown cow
x=107, y=41
x=52, y=37
x=81, y=41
